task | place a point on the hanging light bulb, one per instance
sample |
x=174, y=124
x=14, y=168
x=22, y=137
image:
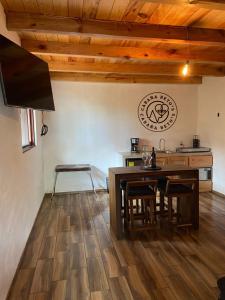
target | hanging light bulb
x=185, y=69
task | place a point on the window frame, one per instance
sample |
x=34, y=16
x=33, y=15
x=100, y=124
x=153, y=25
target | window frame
x=30, y=130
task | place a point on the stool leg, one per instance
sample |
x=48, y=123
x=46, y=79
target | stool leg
x=148, y=211
x=53, y=192
x=122, y=205
x=170, y=209
x=162, y=204
x=178, y=210
x=131, y=214
x=126, y=205
x=143, y=211
x=152, y=212
x=154, y=205
x=137, y=206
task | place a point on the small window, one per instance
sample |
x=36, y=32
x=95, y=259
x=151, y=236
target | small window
x=28, y=129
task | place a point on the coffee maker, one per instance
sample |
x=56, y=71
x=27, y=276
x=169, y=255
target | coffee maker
x=196, y=141
x=134, y=145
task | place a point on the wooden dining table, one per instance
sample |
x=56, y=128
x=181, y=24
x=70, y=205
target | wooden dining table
x=116, y=175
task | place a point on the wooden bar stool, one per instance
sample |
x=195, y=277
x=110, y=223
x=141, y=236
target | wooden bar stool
x=123, y=186
x=161, y=186
x=140, y=204
x=73, y=168
x=178, y=189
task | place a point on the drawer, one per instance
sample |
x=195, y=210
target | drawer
x=178, y=160
x=199, y=161
x=162, y=161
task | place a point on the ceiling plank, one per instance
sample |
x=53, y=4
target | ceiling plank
x=92, y=77
x=84, y=50
x=125, y=68
x=123, y=30
x=210, y=4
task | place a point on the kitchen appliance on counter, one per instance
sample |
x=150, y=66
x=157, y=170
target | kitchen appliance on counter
x=196, y=142
x=134, y=145
x=191, y=149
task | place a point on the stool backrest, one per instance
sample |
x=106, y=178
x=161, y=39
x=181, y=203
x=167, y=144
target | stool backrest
x=190, y=182
x=143, y=183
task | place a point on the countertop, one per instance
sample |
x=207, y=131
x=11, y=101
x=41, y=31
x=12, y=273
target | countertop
x=138, y=169
x=160, y=154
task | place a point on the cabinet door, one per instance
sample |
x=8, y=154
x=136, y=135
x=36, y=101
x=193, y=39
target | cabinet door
x=161, y=161
x=199, y=161
x=205, y=186
x=178, y=160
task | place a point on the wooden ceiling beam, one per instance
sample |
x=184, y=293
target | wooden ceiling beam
x=111, y=29
x=207, y=4
x=83, y=50
x=118, y=78
x=127, y=68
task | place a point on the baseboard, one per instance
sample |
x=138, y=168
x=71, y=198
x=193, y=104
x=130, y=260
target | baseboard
x=76, y=192
x=218, y=193
x=20, y=261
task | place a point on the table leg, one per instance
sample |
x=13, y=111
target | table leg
x=53, y=192
x=196, y=203
x=115, y=205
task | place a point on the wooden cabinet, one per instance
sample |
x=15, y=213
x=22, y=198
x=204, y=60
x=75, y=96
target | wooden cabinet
x=162, y=161
x=200, y=161
x=194, y=161
x=205, y=186
x=178, y=160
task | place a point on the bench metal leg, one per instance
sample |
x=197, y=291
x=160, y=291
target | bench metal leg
x=53, y=192
x=92, y=182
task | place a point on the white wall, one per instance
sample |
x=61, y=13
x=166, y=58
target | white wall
x=211, y=128
x=21, y=186
x=94, y=121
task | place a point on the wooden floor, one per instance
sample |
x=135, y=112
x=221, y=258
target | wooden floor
x=71, y=254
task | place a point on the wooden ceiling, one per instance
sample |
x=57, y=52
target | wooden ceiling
x=123, y=40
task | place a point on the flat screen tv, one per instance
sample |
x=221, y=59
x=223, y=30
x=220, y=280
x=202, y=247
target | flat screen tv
x=25, y=79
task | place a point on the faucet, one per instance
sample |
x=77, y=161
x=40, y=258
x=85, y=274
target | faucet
x=164, y=145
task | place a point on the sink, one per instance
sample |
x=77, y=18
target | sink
x=164, y=151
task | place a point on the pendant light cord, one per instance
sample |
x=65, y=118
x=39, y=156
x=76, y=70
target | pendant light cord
x=188, y=46
x=44, y=129
x=185, y=69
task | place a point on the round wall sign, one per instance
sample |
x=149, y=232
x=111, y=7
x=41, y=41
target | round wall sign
x=157, y=112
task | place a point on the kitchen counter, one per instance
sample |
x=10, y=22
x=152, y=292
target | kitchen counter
x=201, y=160
x=163, y=154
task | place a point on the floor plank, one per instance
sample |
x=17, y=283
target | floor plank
x=96, y=274
x=39, y=296
x=42, y=276
x=22, y=284
x=48, y=247
x=72, y=255
x=101, y=296
x=120, y=288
